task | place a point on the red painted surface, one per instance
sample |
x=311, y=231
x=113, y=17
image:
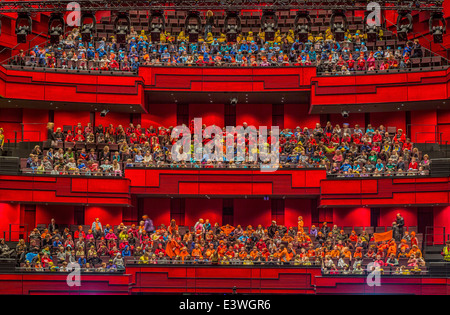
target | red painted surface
x=385, y=192
x=226, y=79
x=203, y=208
x=64, y=190
x=254, y=115
x=108, y=215
x=53, y=284
x=351, y=217
x=252, y=212
x=389, y=285
x=297, y=115
x=160, y=115
x=239, y=182
x=218, y=279
x=70, y=87
x=380, y=88
x=210, y=114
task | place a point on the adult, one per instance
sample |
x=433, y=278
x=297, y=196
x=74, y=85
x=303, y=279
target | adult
x=400, y=223
x=97, y=228
x=148, y=224
x=52, y=227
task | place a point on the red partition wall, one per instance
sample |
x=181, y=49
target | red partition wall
x=158, y=209
x=297, y=115
x=423, y=126
x=191, y=182
x=216, y=279
x=160, y=115
x=71, y=87
x=71, y=118
x=254, y=115
x=214, y=79
x=211, y=114
x=54, y=284
x=389, y=191
x=65, y=190
x=293, y=208
x=252, y=212
x=388, y=215
x=390, y=119
x=107, y=215
x=392, y=88
x=196, y=209
x=388, y=285
x=9, y=214
x=63, y=214
x=357, y=216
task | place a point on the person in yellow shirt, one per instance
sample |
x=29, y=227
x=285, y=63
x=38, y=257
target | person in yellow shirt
x=144, y=258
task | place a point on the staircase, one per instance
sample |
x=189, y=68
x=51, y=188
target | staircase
x=9, y=165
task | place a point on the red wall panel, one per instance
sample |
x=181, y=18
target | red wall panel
x=158, y=209
x=35, y=124
x=388, y=215
x=254, y=114
x=203, y=208
x=62, y=214
x=211, y=114
x=352, y=119
x=107, y=215
x=297, y=115
x=9, y=214
x=391, y=119
x=252, y=211
x=160, y=115
x=71, y=118
x=423, y=126
x=113, y=118
x=351, y=217
x=293, y=208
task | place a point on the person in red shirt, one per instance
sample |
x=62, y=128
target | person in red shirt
x=79, y=137
x=413, y=164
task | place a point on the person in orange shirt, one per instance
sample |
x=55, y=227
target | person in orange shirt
x=286, y=238
x=300, y=224
x=183, y=253
x=172, y=248
x=196, y=252
x=173, y=227
x=353, y=237
x=414, y=240
x=222, y=248
x=335, y=253
x=416, y=251
x=210, y=251
x=347, y=253
x=227, y=229
x=392, y=249
x=403, y=245
x=254, y=252
x=243, y=253
x=358, y=253
x=230, y=252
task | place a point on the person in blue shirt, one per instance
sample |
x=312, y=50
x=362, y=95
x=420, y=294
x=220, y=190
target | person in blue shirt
x=346, y=166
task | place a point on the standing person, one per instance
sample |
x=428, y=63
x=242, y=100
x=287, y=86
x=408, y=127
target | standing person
x=52, y=226
x=148, y=224
x=51, y=135
x=446, y=251
x=2, y=139
x=400, y=223
x=209, y=22
x=97, y=228
x=396, y=234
